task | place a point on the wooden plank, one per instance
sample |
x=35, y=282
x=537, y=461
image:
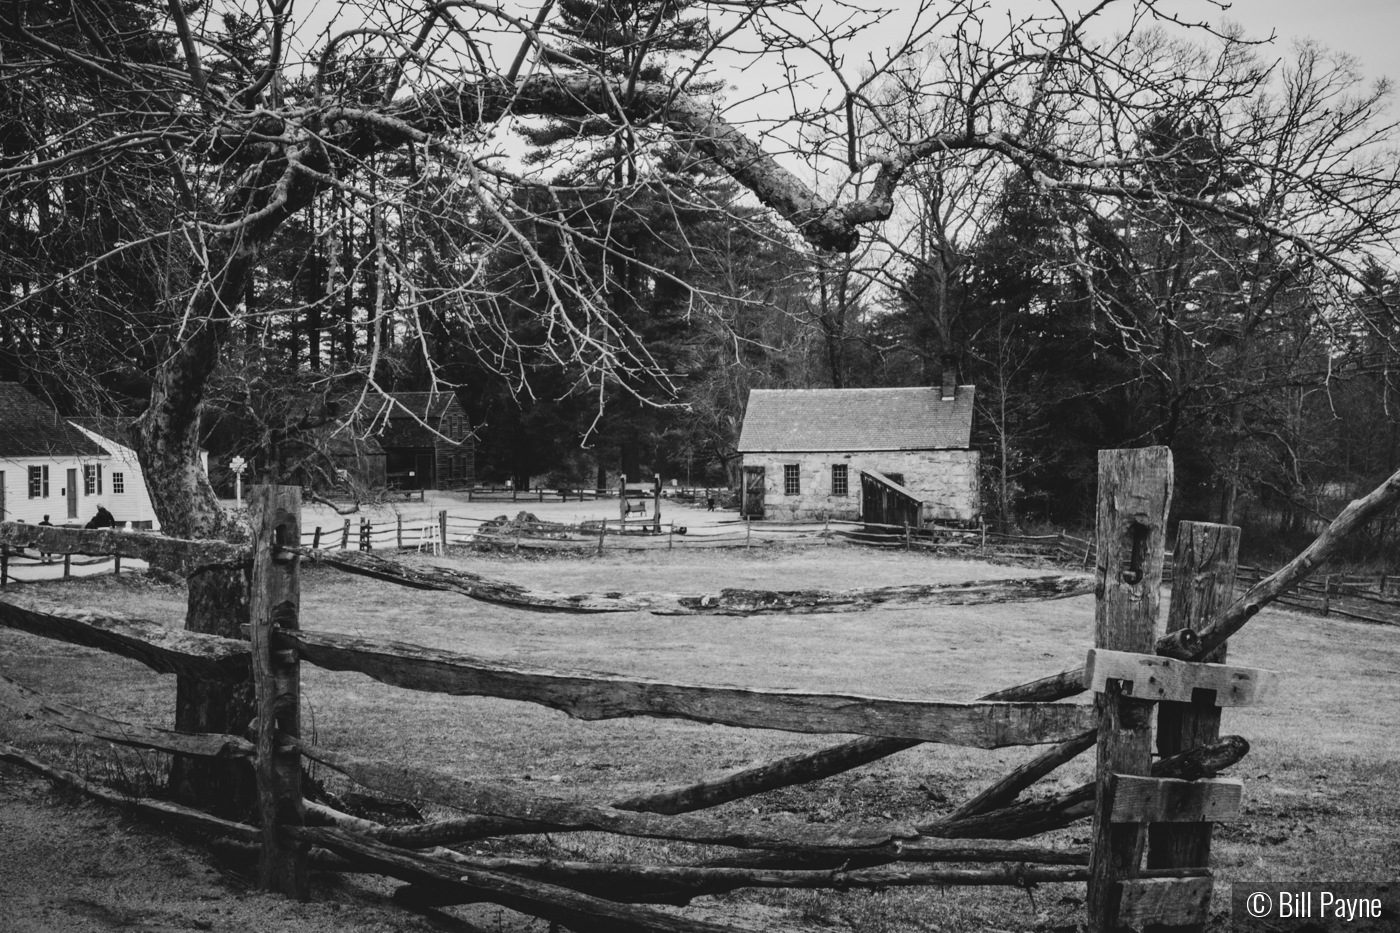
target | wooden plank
x=1138, y=799
x=550, y=813
x=171, y=553
x=32, y=704
x=1205, y=568
x=1135, y=488
x=560, y=905
x=166, y=650
x=595, y=696
x=1168, y=901
x=1154, y=678
x=1009, y=787
x=275, y=604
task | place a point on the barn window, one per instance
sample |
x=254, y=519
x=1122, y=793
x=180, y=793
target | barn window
x=896, y=478
x=792, y=481
x=839, y=480
x=118, y=484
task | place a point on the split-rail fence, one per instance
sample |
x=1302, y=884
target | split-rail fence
x=1178, y=679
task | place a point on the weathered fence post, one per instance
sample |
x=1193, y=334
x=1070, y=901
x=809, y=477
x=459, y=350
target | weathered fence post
x=316, y=539
x=602, y=532
x=671, y=537
x=398, y=532
x=907, y=543
x=67, y=566
x=276, y=604
x=364, y=534
x=4, y=565
x=345, y=537
x=826, y=528
x=116, y=565
x=1203, y=586
x=748, y=532
x=1327, y=594
x=1135, y=489
x=442, y=528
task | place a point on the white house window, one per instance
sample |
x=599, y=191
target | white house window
x=839, y=480
x=38, y=482
x=118, y=484
x=89, y=480
x=792, y=479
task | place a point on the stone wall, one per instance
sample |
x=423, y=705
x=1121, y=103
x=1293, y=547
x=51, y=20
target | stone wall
x=946, y=480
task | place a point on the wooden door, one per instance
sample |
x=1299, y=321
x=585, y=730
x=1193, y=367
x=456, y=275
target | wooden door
x=752, y=506
x=72, y=493
x=424, y=468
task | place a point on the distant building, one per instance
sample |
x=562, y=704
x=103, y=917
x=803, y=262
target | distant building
x=427, y=441
x=804, y=451
x=128, y=497
x=50, y=467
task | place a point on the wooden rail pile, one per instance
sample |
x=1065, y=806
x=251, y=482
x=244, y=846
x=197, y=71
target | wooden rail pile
x=1174, y=800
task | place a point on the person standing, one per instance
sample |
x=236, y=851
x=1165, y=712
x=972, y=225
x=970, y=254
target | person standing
x=46, y=555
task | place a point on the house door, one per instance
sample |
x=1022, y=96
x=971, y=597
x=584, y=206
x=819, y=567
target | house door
x=753, y=492
x=72, y=493
x=423, y=466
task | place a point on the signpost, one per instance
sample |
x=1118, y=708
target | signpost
x=238, y=465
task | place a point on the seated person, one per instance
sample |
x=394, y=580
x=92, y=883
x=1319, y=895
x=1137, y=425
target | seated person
x=103, y=519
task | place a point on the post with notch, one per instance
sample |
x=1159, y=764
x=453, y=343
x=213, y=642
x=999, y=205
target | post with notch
x=275, y=605
x=1203, y=586
x=1134, y=495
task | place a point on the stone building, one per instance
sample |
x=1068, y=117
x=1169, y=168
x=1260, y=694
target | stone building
x=805, y=449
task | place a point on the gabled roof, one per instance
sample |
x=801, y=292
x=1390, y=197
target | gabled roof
x=118, y=429
x=403, y=428
x=856, y=419
x=30, y=428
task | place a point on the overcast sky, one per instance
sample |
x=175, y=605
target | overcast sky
x=1368, y=29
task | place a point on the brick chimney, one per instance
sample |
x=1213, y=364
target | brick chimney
x=950, y=376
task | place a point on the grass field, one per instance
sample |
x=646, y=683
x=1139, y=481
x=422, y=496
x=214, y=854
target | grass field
x=1319, y=801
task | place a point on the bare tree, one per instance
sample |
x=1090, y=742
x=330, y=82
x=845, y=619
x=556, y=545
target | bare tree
x=196, y=139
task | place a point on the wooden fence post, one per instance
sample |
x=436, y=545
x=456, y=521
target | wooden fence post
x=398, y=532
x=345, y=537
x=116, y=565
x=67, y=566
x=275, y=603
x=442, y=528
x=364, y=534
x=1203, y=586
x=1327, y=594
x=907, y=544
x=602, y=533
x=4, y=564
x=671, y=537
x=748, y=532
x=826, y=527
x=1135, y=489
x=316, y=539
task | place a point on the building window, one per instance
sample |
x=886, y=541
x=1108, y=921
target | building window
x=896, y=478
x=118, y=484
x=36, y=481
x=839, y=476
x=792, y=481
x=89, y=480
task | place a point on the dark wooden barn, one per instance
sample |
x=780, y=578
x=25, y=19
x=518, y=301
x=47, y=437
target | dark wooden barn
x=427, y=441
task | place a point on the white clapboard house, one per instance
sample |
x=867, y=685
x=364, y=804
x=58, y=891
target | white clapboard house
x=51, y=467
